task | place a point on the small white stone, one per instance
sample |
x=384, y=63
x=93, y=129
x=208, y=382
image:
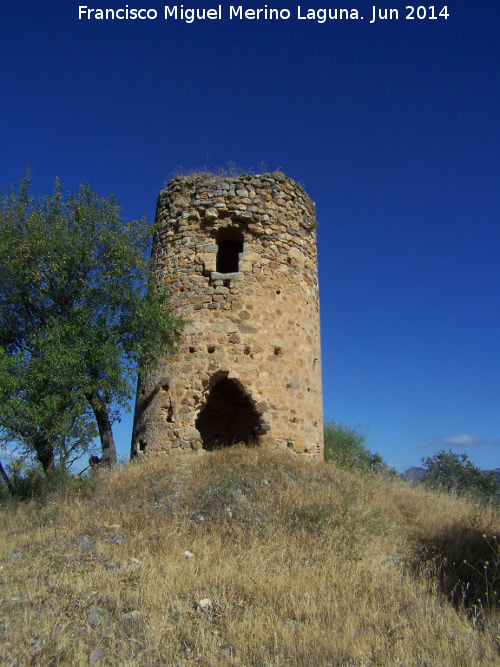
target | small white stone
x=206, y=603
x=188, y=555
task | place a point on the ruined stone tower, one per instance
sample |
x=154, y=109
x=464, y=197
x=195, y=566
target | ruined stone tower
x=238, y=257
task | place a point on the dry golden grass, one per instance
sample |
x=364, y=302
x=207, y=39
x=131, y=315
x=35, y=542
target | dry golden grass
x=303, y=565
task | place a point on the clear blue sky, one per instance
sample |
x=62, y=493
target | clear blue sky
x=392, y=127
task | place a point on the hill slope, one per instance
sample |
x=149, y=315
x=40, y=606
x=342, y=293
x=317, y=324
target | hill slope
x=290, y=564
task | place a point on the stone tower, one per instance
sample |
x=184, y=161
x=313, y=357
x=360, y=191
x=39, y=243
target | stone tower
x=238, y=258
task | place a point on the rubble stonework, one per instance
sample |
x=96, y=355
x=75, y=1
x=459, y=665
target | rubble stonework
x=238, y=258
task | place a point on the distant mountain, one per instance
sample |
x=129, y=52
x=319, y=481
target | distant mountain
x=413, y=474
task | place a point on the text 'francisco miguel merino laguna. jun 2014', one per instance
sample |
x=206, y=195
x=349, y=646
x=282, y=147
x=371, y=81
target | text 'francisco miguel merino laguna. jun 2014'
x=239, y=12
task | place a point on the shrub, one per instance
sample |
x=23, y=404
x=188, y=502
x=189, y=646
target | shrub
x=455, y=473
x=345, y=446
x=29, y=481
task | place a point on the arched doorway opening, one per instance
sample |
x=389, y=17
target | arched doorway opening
x=228, y=416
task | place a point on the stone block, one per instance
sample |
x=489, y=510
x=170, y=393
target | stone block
x=211, y=214
x=267, y=441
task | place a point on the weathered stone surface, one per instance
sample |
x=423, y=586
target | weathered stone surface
x=97, y=617
x=211, y=214
x=205, y=604
x=97, y=657
x=268, y=441
x=279, y=176
x=224, y=276
x=86, y=542
x=299, y=447
x=242, y=273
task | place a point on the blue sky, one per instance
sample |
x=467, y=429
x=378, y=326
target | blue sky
x=393, y=129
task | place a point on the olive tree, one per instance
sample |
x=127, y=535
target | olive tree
x=79, y=309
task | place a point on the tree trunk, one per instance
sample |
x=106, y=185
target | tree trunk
x=105, y=431
x=44, y=451
x=6, y=479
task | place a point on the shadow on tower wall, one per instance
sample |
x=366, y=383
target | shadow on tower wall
x=228, y=416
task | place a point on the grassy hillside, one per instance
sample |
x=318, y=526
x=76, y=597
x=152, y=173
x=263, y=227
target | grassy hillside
x=290, y=563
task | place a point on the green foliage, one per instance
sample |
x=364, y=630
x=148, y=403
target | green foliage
x=345, y=446
x=29, y=481
x=39, y=411
x=75, y=318
x=457, y=474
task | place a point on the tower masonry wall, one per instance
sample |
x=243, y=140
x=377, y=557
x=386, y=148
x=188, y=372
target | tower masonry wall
x=238, y=258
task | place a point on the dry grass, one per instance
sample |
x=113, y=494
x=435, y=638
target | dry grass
x=303, y=564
